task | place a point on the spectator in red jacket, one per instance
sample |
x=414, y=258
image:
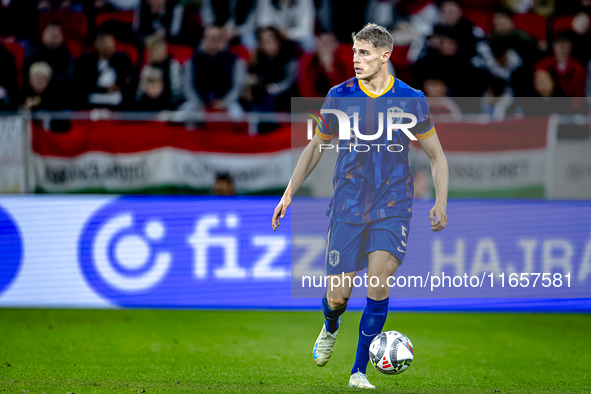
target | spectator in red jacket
x=569, y=74
x=323, y=69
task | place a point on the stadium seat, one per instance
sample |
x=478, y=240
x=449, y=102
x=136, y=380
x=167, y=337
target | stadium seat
x=130, y=50
x=531, y=23
x=240, y=51
x=561, y=23
x=74, y=25
x=124, y=17
x=482, y=19
x=18, y=52
x=180, y=52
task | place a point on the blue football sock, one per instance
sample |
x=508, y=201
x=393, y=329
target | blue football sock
x=331, y=316
x=372, y=322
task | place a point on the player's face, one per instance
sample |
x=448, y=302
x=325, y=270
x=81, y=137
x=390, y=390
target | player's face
x=367, y=59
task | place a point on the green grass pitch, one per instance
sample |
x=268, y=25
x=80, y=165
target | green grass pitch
x=131, y=351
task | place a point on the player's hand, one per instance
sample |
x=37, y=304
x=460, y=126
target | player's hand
x=438, y=211
x=280, y=210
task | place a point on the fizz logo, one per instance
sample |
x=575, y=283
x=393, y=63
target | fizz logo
x=10, y=250
x=156, y=251
x=126, y=254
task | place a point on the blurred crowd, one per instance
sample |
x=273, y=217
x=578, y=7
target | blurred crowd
x=254, y=55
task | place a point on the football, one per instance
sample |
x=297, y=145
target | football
x=391, y=352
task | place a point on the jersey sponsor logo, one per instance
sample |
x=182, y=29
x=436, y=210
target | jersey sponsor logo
x=136, y=250
x=333, y=258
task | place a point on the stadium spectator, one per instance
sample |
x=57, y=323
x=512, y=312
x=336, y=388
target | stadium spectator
x=8, y=84
x=294, y=18
x=439, y=102
x=581, y=26
x=48, y=5
x=236, y=11
x=273, y=72
x=20, y=19
x=104, y=77
x=224, y=185
x=52, y=51
x=323, y=69
x=213, y=76
x=545, y=86
x=237, y=15
x=337, y=16
x=158, y=57
x=167, y=17
x=422, y=15
x=442, y=56
x=468, y=34
x=548, y=97
x=152, y=95
x=520, y=41
x=497, y=99
x=501, y=62
x=569, y=73
x=42, y=93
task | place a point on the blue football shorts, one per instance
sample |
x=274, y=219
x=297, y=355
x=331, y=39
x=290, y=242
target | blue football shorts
x=348, y=245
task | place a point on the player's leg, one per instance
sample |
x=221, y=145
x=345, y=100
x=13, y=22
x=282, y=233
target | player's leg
x=382, y=264
x=344, y=246
x=386, y=248
x=334, y=302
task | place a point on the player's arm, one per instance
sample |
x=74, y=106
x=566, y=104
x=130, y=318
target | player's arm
x=440, y=172
x=306, y=164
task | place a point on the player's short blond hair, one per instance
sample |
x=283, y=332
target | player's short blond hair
x=376, y=35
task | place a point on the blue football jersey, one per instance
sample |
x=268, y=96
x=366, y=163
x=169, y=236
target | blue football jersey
x=372, y=178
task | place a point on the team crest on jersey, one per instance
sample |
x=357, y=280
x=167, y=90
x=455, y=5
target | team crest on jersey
x=392, y=111
x=333, y=257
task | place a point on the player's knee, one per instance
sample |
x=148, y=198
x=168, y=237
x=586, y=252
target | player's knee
x=377, y=293
x=336, y=303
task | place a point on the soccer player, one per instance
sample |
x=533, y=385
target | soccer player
x=373, y=189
